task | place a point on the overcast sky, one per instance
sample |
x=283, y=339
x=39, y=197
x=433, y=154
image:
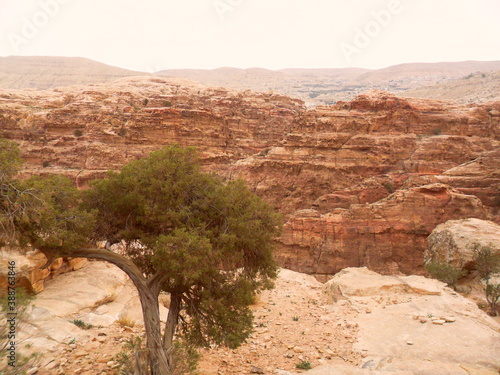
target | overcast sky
x=150, y=35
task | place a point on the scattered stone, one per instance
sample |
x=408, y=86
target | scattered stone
x=72, y=346
x=438, y=322
x=409, y=342
x=298, y=349
x=256, y=370
x=423, y=320
x=449, y=319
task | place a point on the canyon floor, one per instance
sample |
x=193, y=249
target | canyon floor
x=359, y=322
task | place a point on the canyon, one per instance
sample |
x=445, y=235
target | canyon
x=359, y=183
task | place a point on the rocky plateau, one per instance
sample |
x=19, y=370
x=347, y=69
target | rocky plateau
x=359, y=183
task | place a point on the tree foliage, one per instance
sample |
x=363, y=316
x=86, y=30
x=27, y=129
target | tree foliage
x=208, y=243
x=445, y=272
x=487, y=263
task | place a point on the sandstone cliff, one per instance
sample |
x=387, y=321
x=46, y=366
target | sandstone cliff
x=342, y=161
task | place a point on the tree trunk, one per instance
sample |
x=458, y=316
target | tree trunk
x=158, y=361
x=171, y=324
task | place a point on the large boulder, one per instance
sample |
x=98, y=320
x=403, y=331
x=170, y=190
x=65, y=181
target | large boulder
x=453, y=242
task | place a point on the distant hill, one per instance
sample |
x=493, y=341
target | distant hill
x=467, y=81
x=43, y=72
x=327, y=86
x=473, y=88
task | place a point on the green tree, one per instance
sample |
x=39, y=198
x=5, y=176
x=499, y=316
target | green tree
x=206, y=242
x=487, y=263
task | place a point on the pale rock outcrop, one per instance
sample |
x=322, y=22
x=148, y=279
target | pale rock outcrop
x=392, y=339
x=98, y=294
x=453, y=242
x=28, y=268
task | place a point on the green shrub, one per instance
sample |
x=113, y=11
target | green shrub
x=437, y=131
x=445, y=273
x=389, y=187
x=45, y=164
x=304, y=365
x=81, y=324
x=78, y=133
x=492, y=296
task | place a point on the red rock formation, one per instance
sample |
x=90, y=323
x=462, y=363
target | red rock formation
x=82, y=132
x=341, y=156
x=388, y=236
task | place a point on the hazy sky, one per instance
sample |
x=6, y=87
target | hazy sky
x=150, y=35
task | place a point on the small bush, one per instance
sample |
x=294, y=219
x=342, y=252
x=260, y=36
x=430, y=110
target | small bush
x=492, y=296
x=437, y=131
x=125, y=321
x=295, y=318
x=486, y=261
x=389, y=187
x=81, y=324
x=78, y=133
x=45, y=164
x=122, y=132
x=166, y=103
x=445, y=273
x=304, y=365
x=145, y=102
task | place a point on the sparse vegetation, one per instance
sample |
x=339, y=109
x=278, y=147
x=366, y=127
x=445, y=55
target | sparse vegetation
x=167, y=103
x=45, y=163
x=389, y=187
x=81, y=324
x=295, y=318
x=122, y=132
x=303, y=365
x=78, y=133
x=487, y=264
x=437, y=131
x=445, y=272
x=126, y=321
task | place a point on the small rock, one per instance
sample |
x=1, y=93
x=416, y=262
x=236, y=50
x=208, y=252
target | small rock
x=439, y=322
x=288, y=355
x=101, y=334
x=423, y=320
x=80, y=353
x=72, y=346
x=368, y=311
x=256, y=370
x=298, y=349
x=449, y=319
x=409, y=342
x=51, y=365
x=111, y=363
x=32, y=371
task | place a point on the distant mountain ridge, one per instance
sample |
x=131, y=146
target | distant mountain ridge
x=43, y=72
x=314, y=86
